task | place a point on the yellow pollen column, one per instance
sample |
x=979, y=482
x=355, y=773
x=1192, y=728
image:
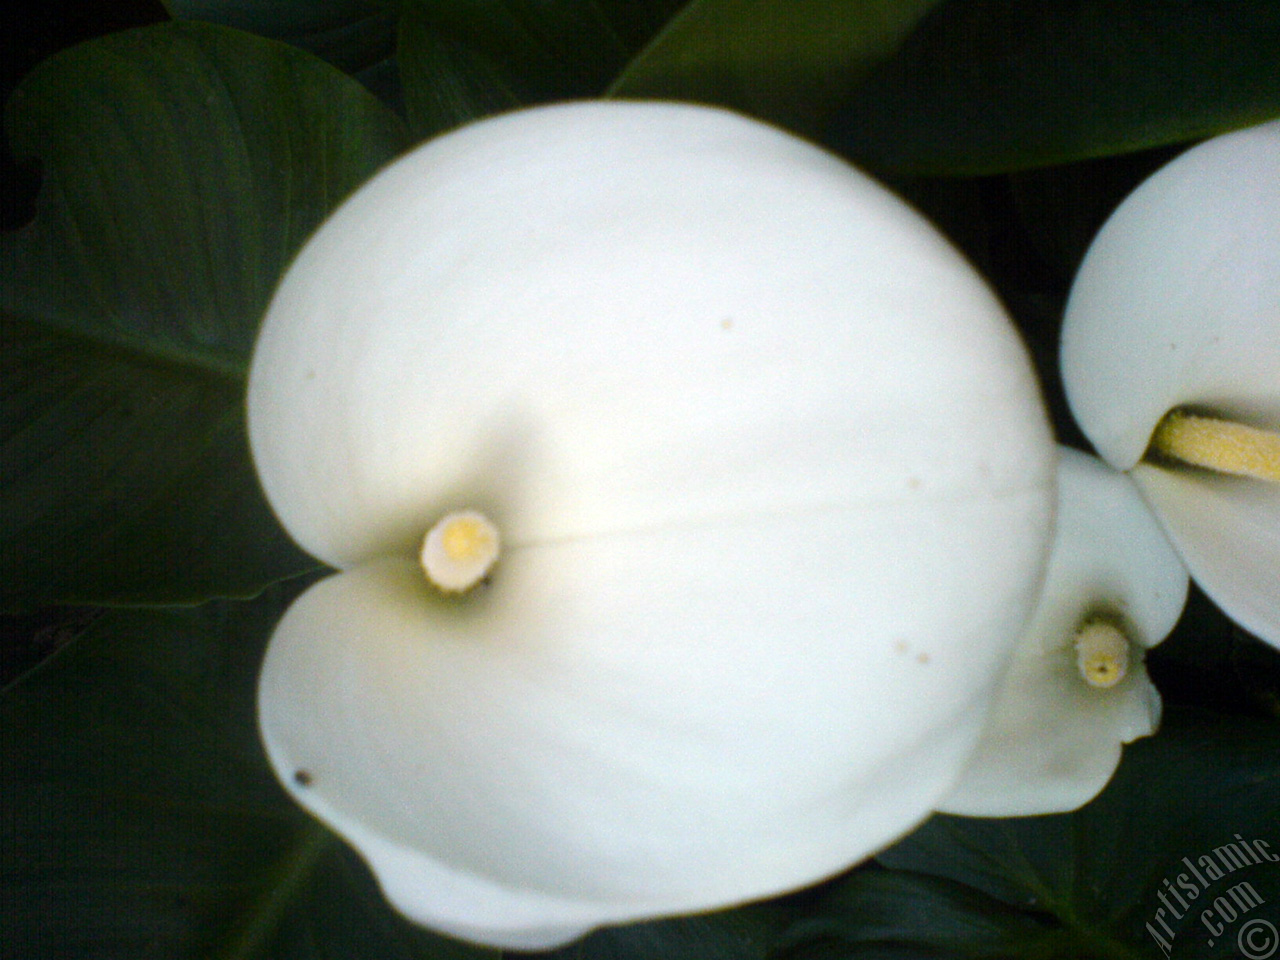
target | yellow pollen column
x=1221, y=445
x=460, y=550
x=1102, y=654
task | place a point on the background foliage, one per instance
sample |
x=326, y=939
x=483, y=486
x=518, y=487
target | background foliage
x=163, y=174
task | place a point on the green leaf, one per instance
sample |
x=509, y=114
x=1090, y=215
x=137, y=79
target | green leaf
x=184, y=164
x=788, y=61
x=460, y=61
x=447, y=62
x=1203, y=783
x=875, y=913
x=353, y=35
x=447, y=81
x=988, y=86
x=747, y=933
x=125, y=480
x=141, y=818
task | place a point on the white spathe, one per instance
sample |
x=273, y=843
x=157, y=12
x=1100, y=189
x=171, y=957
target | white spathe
x=1052, y=740
x=1177, y=304
x=773, y=485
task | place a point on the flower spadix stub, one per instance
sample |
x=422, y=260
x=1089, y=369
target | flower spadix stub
x=767, y=461
x=1102, y=653
x=459, y=550
x=1171, y=361
x=1077, y=689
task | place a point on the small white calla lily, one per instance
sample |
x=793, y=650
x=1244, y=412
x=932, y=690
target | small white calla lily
x=1171, y=352
x=761, y=491
x=1077, y=689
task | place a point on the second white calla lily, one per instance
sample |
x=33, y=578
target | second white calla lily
x=1176, y=311
x=1077, y=688
x=739, y=488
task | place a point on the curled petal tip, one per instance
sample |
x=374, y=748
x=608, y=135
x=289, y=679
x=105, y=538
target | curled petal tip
x=1076, y=689
x=1171, y=361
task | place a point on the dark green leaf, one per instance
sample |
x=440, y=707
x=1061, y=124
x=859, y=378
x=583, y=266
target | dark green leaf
x=1257, y=667
x=788, y=61
x=987, y=86
x=1204, y=782
x=447, y=81
x=747, y=933
x=1194, y=665
x=879, y=913
x=353, y=35
x=184, y=164
x=462, y=61
x=125, y=480
x=141, y=819
x=140, y=815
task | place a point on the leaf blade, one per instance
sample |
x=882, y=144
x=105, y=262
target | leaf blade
x=788, y=61
x=989, y=87
x=142, y=819
x=184, y=165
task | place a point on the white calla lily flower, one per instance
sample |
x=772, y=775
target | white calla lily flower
x=1077, y=689
x=1171, y=360
x=739, y=490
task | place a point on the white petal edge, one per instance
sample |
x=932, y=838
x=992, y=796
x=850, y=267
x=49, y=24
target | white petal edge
x=602, y=317
x=601, y=737
x=1052, y=742
x=1177, y=301
x=1228, y=532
